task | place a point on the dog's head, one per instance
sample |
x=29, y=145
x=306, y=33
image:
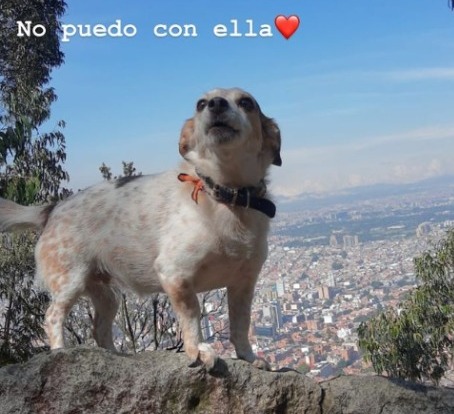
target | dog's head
x=229, y=122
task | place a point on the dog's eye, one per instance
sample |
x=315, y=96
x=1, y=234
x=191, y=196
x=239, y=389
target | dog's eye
x=246, y=103
x=201, y=104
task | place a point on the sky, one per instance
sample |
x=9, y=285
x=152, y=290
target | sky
x=363, y=91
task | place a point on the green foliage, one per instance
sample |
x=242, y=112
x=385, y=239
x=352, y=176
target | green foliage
x=128, y=171
x=21, y=304
x=415, y=341
x=304, y=276
x=376, y=284
x=31, y=161
x=337, y=265
x=303, y=369
x=341, y=365
x=31, y=168
x=105, y=172
x=26, y=62
x=315, y=257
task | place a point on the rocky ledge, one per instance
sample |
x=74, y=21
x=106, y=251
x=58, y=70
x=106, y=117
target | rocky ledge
x=92, y=380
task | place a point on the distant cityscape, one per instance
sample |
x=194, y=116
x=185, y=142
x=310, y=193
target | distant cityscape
x=328, y=270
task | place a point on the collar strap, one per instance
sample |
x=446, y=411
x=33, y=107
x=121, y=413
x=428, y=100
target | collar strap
x=248, y=197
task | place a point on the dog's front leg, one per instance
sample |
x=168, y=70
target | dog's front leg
x=240, y=302
x=186, y=306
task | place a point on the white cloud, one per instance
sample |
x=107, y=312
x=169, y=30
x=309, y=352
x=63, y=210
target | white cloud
x=431, y=133
x=396, y=158
x=436, y=73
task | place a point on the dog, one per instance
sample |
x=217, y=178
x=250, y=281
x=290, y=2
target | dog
x=203, y=226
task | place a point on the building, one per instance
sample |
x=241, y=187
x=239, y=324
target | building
x=280, y=288
x=267, y=331
x=333, y=241
x=313, y=324
x=423, y=229
x=325, y=292
x=350, y=241
x=273, y=312
x=331, y=281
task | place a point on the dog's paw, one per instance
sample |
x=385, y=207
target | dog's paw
x=262, y=364
x=206, y=356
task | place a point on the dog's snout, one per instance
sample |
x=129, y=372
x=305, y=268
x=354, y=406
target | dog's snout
x=218, y=105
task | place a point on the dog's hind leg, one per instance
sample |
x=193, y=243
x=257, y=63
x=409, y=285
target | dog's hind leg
x=65, y=290
x=65, y=276
x=55, y=318
x=106, y=302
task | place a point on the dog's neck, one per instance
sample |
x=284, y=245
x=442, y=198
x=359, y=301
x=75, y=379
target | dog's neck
x=248, y=197
x=241, y=170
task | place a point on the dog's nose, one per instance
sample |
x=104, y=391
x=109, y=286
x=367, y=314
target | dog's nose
x=218, y=105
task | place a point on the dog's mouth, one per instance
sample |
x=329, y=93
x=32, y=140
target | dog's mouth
x=221, y=130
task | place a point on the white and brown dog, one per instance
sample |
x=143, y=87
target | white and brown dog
x=201, y=227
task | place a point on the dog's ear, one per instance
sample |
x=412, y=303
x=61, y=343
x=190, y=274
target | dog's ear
x=271, y=138
x=186, y=137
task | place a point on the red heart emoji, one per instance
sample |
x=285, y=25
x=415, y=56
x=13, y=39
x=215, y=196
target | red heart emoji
x=287, y=25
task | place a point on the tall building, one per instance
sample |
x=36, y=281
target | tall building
x=276, y=312
x=331, y=281
x=333, y=241
x=325, y=292
x=423, y=229
x=280, y=288
x=273, y=312
x=350, y=241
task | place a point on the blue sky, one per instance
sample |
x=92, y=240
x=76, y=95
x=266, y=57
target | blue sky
x=363, y=91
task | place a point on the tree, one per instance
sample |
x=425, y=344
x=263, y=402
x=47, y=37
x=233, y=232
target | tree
x=377, y=284
x=21, y=305
x=315, y=257
x=128, y=171
x=336, y=265
x=31, y=168
x=303, y=368
x=26, y=62
x=415, y=340
x=30, y=161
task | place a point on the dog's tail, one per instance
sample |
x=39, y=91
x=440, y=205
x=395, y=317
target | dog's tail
x=16, y=217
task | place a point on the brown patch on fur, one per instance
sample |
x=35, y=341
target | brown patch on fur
x=67, y=243
x=186, y=142
x=271, y=138
x=54, y=266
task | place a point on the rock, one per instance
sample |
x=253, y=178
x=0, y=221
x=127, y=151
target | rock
x=93, y=380
x=379, y=395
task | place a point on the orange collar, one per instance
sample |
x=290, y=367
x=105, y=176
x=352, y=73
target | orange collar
x=196, y=181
